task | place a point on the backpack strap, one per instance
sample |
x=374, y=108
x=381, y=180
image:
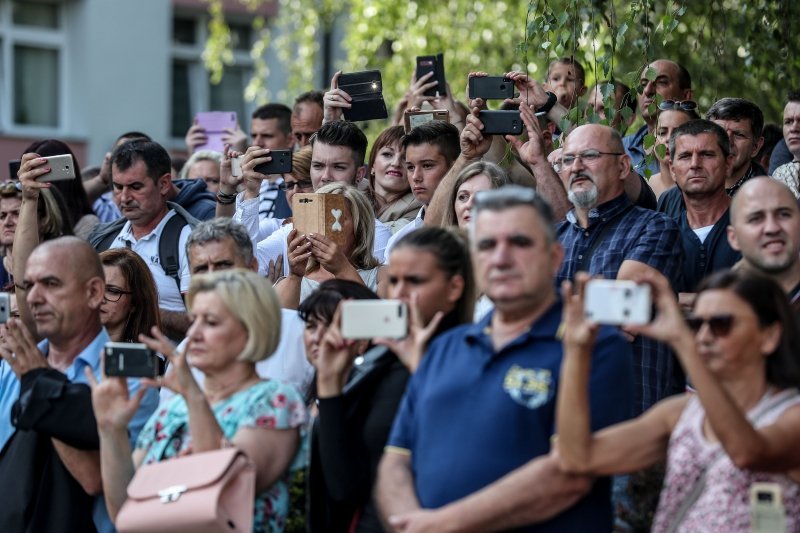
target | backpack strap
x=168, y=247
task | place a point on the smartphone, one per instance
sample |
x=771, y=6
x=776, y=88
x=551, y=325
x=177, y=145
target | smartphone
x=491, y=87
x=62, y=168
x=617, y=302
x=5, y=307
x=366, y=93
x=320, y=213
x=435, y=64
x=367, y=319
x=215, y=123
x=131, y=360
x=13, y=168
x=501, y=122
x=236, y=166
x=768, y=514
x=412, y=119
x=281, y=163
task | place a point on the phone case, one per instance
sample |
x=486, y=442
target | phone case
x=366, y=91
x=433, y=64
x=501, y=122
x=215, y=123
x=617, y=302
x=491, y=87
x=133, y=360
x=62, y=168
x=413, y=119
x=321, y=214
x=281, y=163
x=367, y=319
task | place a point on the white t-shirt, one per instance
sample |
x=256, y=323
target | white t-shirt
x=703, y=232
x=169, y=297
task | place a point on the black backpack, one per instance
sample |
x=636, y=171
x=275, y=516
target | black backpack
x=168, y=253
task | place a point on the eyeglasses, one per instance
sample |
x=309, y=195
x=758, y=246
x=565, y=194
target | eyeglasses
x=685, y=105
x=720, y=325
x=588, y=157
x=290, y=185
x=113, y=294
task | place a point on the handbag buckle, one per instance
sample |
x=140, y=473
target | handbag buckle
x=171, y=494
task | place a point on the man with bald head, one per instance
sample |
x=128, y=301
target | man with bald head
x=670, y=81
x=605, y=234
x=765, y=228
x=48, y=434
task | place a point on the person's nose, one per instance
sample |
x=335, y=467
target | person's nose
x=771, y=225
x=649, y=89
x=416, y=176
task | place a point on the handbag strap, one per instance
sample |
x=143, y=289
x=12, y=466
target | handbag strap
x=773, y=403
x=177, y=434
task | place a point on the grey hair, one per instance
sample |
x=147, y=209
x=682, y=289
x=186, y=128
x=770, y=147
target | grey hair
x=219, y=228
x=513, y=196
x=202, y=155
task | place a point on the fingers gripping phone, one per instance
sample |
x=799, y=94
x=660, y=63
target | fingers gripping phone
x=281, y=163
x=501, y=122
x=435, y=64
x=617, y=302
x=131, y=360
x=491, y=87
x=62, y=168
x=368, y=319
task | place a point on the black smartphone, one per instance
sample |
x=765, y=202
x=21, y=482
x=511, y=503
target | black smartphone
x=366, y=93
x=281, y=163
x=13, y=168
x=433, y=64
x=491, y=87
x=131, y=360
x=501, y=122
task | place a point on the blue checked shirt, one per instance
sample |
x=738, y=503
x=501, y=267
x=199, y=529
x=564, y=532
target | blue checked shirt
x=631, y=233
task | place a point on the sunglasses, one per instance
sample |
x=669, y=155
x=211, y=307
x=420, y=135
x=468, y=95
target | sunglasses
x=720, y=325
x=686, y=105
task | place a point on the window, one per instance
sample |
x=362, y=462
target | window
x=32, y=40
x=192, y=90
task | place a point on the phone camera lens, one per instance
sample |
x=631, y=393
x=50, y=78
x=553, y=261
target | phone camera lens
x=628, y=293
x=503, y=87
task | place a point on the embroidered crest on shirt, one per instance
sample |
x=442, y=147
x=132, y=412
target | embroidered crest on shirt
x=529, y=387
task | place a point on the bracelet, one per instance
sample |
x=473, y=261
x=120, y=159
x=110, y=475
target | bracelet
x=225, y=198
x=551, y=101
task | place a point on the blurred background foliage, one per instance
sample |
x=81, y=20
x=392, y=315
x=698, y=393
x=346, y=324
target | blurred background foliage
x=746, y=48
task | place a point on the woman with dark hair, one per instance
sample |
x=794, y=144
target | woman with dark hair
x=389, y=190
x=358, y=397
x=82, y=218
x=741, y=351
x=130, y=305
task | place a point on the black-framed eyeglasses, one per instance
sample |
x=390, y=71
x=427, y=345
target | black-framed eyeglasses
x=685, y=105
x=587, y=156
x=290, y=185
x=113, y=294
x=720, y=325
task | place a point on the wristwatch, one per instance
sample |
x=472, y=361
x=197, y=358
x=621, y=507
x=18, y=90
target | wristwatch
x=551, y=101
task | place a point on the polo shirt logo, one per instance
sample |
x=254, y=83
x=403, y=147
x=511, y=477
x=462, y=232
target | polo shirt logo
x=531, y=388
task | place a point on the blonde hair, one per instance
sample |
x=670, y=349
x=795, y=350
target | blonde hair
x=363, y=216
x=252, y=300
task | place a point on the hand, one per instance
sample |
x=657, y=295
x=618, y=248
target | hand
x=411, y=348
x=336, y=356
x=237, y=139
x=579, y=333
x=299, y=251
x=328, y=254
x=31, y=167
x=532, y=151
x=19, y=349
x=415, y=95
x=480, y=103
x=472, y=141
x=253, y=157
x=228, y=183
x=275, y=269
x=419, y=521
x=105, y=169
x=180, y=380
x=530, y=91
x=334, y=101
x=458, y=114
x=196, y=136
x=668, y=325
x=113, y=406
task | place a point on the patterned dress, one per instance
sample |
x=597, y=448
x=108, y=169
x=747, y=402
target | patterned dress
x=267, y=404
x=724, y=503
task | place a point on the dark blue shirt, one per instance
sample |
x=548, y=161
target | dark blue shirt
x=704, y=258
x=470, y=415
x=627, y=232
x=634, y=146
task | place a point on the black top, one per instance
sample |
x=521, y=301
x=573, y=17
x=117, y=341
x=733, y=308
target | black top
x=347, y=442
x=703, y=258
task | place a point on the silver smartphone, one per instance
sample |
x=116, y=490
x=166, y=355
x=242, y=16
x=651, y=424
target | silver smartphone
x=5, y=307
x=766, y=507
x=617, y=302
x=62, y=168
x=367, y=319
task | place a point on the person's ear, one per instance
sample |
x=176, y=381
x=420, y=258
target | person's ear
x=360, y=173
x=771, y=338
x=164, y=183
x=733, y=239
x=95, y=292
x=455, y=288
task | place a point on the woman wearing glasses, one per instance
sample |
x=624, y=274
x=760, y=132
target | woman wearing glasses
x=126, y=313
x=741, y=350
x=671, y=114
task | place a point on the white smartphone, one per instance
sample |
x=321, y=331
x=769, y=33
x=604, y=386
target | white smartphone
x=5, y=307
x=617, y=302
x=62, y=167
x=367, y=319
x=766, y=507
x=236, y=166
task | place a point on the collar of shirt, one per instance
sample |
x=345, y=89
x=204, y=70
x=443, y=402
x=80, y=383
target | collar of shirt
x=126, y=234
x=89, y=356
x=602, y=212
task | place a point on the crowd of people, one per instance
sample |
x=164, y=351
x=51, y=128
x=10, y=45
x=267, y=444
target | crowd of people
x=503, y=406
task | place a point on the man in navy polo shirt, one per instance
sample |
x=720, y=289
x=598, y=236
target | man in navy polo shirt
x=481, y=405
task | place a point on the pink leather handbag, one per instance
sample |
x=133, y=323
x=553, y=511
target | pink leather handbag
x=204, y=493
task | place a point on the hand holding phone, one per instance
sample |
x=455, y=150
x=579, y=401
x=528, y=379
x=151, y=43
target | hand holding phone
x=365, y=90
x=281, y=163
x=435, y=65
x=132, y=360
x=62, y=168
x=491, y=87
x=368, y=319
x=617, y=302
x=501, y=122
x=215, y=124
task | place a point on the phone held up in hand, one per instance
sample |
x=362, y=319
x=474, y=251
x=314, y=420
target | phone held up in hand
x=501, y=122
x=62, y=168
x=435, y=64
x=368, y=319
x=491, y=87
x=281, y=163
x=617, y=302
x=131, y=360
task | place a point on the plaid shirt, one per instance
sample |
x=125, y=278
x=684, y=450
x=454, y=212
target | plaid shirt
x=628, y=232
